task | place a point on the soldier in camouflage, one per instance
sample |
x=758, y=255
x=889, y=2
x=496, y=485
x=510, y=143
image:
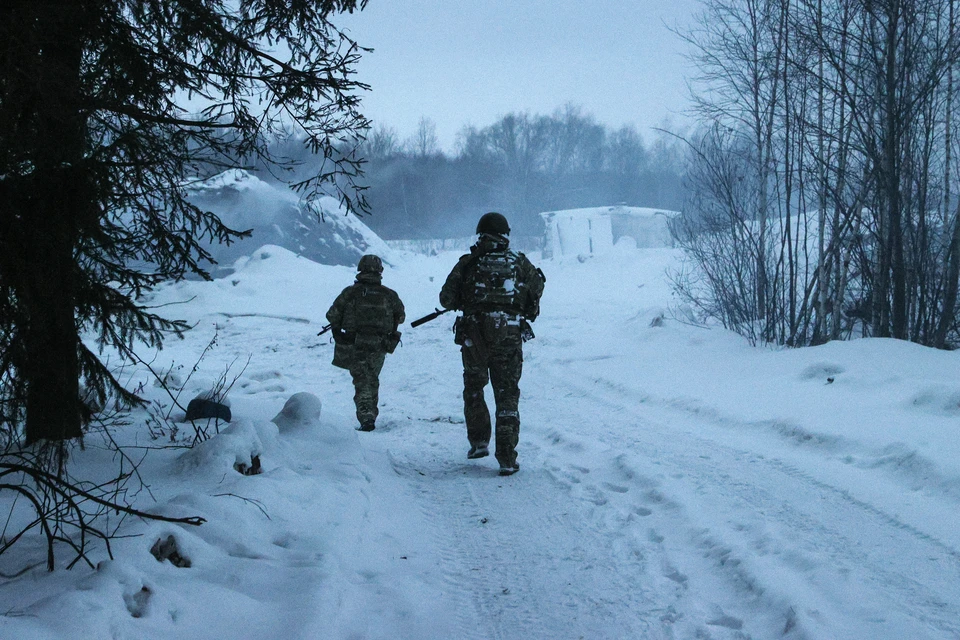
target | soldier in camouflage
x=364, y=319
x=498, y=291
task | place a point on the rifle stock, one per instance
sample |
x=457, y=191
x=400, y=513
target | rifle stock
x=430, y=316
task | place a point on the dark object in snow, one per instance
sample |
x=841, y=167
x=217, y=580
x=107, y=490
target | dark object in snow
x=657, y=322
x=367, y=426
x=167, y=550
x=253, y=469
x=200, y=408
x=830, y=380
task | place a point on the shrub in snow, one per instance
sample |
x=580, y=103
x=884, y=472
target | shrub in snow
x=170, y=379
x=300, y=411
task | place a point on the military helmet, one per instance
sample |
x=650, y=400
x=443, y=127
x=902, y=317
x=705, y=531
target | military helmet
x=493, y=222
x=370, y=264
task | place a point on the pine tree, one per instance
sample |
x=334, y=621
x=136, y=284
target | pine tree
x=96, y=150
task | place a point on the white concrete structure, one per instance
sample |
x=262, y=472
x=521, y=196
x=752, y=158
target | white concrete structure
x=584, y=232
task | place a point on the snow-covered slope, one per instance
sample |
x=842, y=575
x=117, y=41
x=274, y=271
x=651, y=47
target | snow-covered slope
x=675, y=482
x=319, y=230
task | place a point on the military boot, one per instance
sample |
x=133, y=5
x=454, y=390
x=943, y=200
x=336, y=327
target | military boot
x=509, y=470
x=478, y=451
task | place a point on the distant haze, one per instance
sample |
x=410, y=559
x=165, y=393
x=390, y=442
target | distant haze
x=471, y=61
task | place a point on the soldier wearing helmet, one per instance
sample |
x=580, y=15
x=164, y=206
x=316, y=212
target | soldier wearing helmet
x=364, y=319
x=498, y=291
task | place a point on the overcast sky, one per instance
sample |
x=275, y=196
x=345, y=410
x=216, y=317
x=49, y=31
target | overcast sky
x=462, y=62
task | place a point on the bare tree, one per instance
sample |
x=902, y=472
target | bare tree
x=847, y=106
x=424, y=143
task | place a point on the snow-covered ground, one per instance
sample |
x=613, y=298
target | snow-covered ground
x=675, y=482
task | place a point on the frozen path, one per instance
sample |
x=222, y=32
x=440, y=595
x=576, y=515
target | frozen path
x=644, y=508
x=635, y=519
x=653, y=516
x=519, y=558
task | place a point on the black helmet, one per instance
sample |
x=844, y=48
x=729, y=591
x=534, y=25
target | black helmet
x=493, y=222
x=370, y=264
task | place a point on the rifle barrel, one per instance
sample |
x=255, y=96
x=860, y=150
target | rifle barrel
x=429, y=317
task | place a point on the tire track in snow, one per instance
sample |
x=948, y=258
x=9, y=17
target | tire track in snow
x=636, y=510
x=847, y=542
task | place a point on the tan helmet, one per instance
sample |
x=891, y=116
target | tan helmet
x=370, y=264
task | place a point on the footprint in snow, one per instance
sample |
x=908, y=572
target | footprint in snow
x=615, y=487
x=726, y=621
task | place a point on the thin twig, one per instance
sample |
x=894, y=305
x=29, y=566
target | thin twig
x=256, y=503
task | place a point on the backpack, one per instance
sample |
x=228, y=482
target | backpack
x=372, y=310
x=490, y=283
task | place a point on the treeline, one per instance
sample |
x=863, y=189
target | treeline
x=521, y=165
x=823, y=179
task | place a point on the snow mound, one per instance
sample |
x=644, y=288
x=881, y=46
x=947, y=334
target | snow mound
x=821, y=371
x=235, y=446
x=319, y=229
x=271, y=282
x=938, y=399
x=301, y=411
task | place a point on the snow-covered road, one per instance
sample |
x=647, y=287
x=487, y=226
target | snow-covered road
x=638, y=519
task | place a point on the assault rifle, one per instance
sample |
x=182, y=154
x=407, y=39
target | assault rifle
x=430, y=316
x=325, y=329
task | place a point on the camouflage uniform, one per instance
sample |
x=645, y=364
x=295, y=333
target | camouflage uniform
x=497, y=289
x=364, y=319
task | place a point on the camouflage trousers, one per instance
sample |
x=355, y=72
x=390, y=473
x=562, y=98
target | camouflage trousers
x=501, y=363
x=365, y=371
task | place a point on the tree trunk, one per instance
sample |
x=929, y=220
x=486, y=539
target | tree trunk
x=892, y=172
x=953, y=254
x=51, y=230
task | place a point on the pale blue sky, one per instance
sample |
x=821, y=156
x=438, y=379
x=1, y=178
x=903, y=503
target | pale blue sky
x=470, y=61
